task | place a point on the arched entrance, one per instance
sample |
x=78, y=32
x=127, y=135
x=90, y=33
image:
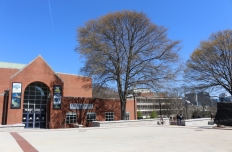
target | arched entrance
x=36, y=99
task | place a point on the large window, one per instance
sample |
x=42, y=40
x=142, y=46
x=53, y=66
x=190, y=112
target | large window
x=127, y=116
x=91, y=117
x=71, y=117
x=109, y=116
x=36, y=99
x=36, y=96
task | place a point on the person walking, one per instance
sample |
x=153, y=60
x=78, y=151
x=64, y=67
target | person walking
x=180, y=118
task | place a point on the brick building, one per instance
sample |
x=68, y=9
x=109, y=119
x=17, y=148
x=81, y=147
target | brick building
x=38, y=97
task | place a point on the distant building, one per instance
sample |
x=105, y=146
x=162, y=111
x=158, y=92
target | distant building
x=197, y=99
x=162, y=106
x=146, y=101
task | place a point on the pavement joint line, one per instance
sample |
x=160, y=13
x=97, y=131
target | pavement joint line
x=24, y=144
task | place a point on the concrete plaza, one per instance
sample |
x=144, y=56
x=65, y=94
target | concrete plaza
x=137, y=139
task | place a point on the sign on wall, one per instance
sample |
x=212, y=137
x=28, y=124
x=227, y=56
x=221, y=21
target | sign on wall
x=81, y=106
x=16, y=95
x=57, y=95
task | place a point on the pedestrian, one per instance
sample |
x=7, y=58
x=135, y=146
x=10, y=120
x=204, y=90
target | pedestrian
x=193, y=116
x=180, y=118
x=211, y=116
x=161, y=120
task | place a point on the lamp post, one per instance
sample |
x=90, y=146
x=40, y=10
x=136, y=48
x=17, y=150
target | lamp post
x=160, y=107
x=186, y=107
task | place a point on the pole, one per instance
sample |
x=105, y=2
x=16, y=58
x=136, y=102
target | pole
x=186, y=107
x=134, y=107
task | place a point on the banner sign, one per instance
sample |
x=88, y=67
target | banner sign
x=16, y=95
x=81, y=106
x=57, y=95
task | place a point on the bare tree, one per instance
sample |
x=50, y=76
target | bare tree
x=103, y=92
x=127, y=48
x=175, y=95
x=210, y=64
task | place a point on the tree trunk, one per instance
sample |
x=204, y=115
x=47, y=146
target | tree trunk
x=123, y=109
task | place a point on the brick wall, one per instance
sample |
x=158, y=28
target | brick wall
x=5, y=75
x=100, y=106
x=37, y=70
x=131, y=107
x=76, y=86
x=1, y=108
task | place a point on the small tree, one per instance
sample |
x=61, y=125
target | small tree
x=139, y=115
x=153, y=115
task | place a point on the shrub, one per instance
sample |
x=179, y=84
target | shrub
x=139, y=115
x=153, y=115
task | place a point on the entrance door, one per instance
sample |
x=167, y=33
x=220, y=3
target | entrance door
x=34, y=118
x=36, y=99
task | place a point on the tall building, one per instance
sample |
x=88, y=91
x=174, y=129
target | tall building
x=197, y=99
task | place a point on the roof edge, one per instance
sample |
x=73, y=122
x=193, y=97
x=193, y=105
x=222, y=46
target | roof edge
x=72, y=74
x=32, y=62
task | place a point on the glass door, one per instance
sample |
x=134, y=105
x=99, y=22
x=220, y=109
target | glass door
x=34, y=119
x=36, y=99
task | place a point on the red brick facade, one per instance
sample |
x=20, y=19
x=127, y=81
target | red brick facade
x=131, y=107
x=75, y=89
x=39, y=71
x=100, y=107
x=1, y=107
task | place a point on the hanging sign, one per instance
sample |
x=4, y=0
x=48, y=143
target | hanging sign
x=57, y=95
x=16, y=95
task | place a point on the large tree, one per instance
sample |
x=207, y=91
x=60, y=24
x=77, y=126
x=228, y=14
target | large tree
x=210, y=65
x=126, y=48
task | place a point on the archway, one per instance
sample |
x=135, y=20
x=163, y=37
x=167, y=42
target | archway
x=36, y=100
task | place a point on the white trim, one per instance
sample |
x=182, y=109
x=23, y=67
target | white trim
x=72, y=74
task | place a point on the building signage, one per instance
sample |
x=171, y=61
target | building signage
x=16, y=95
x=81, y=106
x=57, y=95
x=31, y=110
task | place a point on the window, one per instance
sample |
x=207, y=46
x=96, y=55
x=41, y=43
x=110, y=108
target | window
x=127, y=116
x=71, y=117
x=91, y=117
x=109, y=116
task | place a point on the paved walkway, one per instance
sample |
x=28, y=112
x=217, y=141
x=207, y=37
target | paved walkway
x=121, y=139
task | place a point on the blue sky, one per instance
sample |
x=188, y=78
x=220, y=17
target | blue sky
x=29, y=29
